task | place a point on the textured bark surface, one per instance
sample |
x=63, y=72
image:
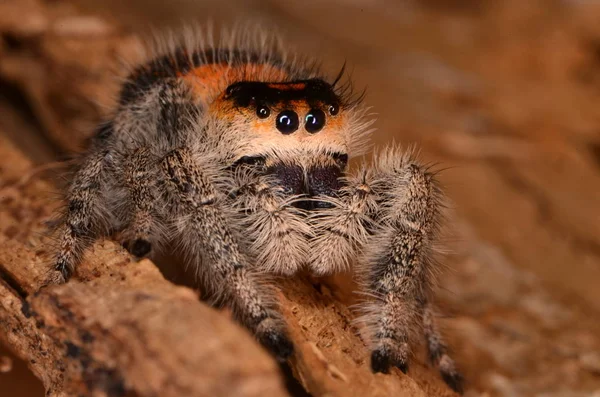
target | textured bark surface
x=505, y=94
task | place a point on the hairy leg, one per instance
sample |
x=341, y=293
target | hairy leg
x=277, y=230
x=438, y=351
x=206, y=233
x=341, y=229
x=399, y=262
x=85, y=215
x=144, y=228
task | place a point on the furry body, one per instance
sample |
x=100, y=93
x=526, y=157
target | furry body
x=238, y=153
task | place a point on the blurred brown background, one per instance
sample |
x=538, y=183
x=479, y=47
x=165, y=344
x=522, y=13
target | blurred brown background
x=506, y=95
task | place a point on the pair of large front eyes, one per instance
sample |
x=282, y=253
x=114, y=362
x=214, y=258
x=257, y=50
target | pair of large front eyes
x=287, y=121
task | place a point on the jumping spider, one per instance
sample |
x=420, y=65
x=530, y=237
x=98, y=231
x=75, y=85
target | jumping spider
x=237, y=154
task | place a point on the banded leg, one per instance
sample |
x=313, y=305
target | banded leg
x=277, y=230
x=438, y=351
x=85, y=216
x=342, y=229
x=395, y=282
x=399, y=260
x=205, y=232
x=144, y=229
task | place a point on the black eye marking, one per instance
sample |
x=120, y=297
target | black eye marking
x=287, y=122
x=315, y=120
x=231, y=89
x=247, y=93
x=263, y=112
x=334, y=109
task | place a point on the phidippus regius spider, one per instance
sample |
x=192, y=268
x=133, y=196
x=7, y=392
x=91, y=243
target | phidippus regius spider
x=235, y=154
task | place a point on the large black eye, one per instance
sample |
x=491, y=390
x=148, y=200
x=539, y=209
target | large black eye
x=262, y=112
x=287, y=122
x=334, y=109
x=315, y=120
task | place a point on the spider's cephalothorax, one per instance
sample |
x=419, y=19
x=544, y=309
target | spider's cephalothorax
x=236, y=156
x=293, y=131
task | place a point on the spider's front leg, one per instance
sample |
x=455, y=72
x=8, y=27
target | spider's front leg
x=276, y=229
x=144, y=227
x=343, y=226
x=399, y=264
x=205, y=231
x=85, y=215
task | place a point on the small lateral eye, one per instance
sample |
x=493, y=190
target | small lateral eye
x=334, y=109
x=263, y=112
x=315, y=120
